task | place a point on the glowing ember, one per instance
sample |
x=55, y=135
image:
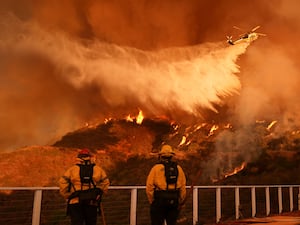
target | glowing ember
x=236, y=170
x=228, y=126
x=271, y=124
x=129, y=118
x=183, y=140
x=107, y=120
x=214, y=128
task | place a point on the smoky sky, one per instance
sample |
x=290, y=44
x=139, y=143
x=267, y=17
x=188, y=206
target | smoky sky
x=68, y=62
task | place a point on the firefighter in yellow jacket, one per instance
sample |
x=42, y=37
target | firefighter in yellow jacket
x=83, y=196
x=165, y=188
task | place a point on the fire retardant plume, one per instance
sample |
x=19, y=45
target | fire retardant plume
x=45, y=75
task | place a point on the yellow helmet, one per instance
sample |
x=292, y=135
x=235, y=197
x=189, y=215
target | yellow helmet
x=167, y=151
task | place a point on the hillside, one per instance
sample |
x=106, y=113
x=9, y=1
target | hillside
x=127, y=150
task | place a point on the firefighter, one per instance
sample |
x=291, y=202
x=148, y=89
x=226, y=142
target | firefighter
x=72, y=186
x=165, y=188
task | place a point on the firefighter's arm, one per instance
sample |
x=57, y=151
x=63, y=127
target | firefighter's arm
x=182, y=185
x=150, y=186
x=104, y=183
x=102, y=180
x=65, y=185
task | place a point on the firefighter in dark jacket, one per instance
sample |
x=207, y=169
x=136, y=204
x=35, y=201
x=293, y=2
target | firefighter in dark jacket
x=70, y=184
x=162, y=205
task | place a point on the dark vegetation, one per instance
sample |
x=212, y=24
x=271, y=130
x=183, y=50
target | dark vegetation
x=278, y=161
x=92, y=138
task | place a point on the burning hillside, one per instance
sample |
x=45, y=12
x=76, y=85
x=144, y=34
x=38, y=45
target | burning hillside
x=220, y=150
x=125, y=146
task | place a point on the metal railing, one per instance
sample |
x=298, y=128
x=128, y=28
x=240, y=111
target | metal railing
x=283, y=198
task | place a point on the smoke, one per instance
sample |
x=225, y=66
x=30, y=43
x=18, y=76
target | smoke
x=270, y=80
x=64, y=63
x=43, y=70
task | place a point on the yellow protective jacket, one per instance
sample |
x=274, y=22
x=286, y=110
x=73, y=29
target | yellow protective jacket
x=71, y=179
x=156, y=180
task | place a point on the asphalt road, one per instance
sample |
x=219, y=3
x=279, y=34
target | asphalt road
x=272, y=220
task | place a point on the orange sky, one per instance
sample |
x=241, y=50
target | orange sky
x=46, y=93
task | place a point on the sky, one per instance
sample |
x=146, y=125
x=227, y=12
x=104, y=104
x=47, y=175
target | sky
x=69, y=62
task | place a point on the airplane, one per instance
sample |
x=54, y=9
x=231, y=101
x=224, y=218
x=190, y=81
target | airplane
x=247, y=37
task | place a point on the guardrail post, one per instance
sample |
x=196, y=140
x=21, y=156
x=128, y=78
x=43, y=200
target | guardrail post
x=36, y=211
x=299, y=198
x=218, y=204
x=133, y=206
x=267, y=201
x=195, y=205
x=280, y=199
x=291, y=199
x=253, y=200
x=37, y=201
x=237, y=203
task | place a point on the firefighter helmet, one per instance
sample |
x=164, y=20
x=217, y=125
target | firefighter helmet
x=84, y=153
x=166, y=151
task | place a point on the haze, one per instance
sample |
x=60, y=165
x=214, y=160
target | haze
x=66, y=63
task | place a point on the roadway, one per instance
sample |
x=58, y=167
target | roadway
x=292, y=218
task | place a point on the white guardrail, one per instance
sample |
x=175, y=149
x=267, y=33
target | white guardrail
x=291, y=197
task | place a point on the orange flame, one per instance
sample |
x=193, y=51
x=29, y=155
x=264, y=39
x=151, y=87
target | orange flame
x=129, y=118
x=214, y=128
x=236, y=170
x=271, y=124
x=140, y=117
x=183, y=140
x=106, y=120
